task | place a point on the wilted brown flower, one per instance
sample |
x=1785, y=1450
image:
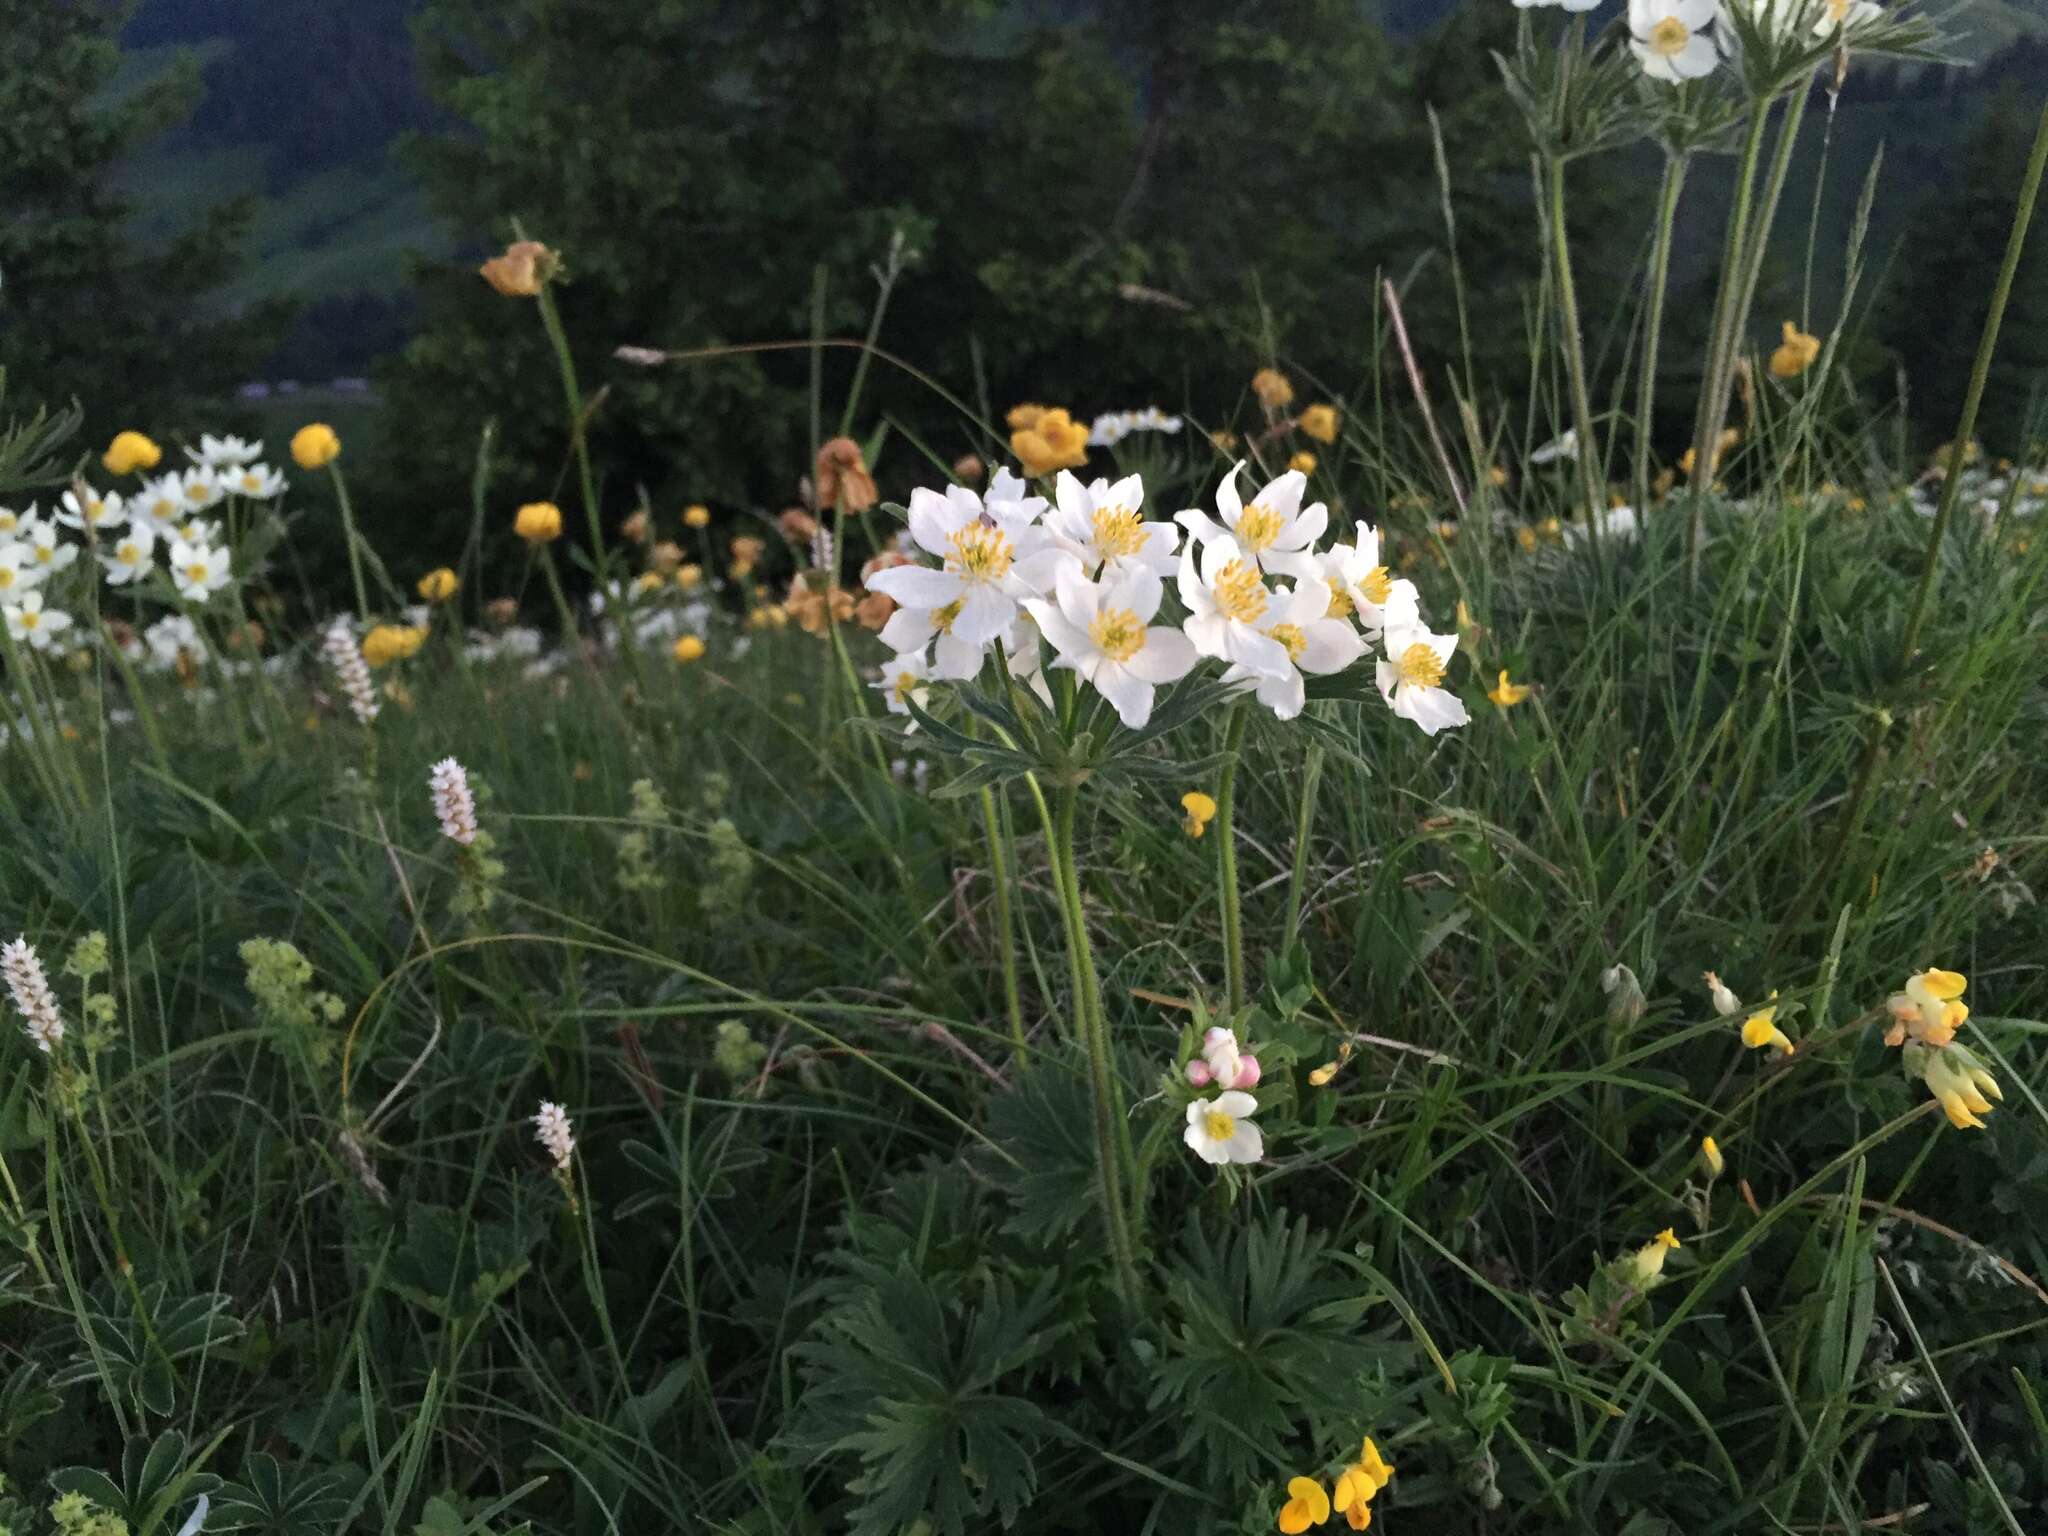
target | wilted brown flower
x=747, y=547
x=665, y=557
x=502, y=610
x=522, y=270
x=968, y=468
x=797, y=525
x=634, y=529
x=1274, y=389
x=808, y=605
x=887, y=560
x=843, y=479
x=873, y=610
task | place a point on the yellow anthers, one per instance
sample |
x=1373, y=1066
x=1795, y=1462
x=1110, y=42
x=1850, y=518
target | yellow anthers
x=1341, y=604
x=1118, y=532
x=1795, y=354
x=979, y=552
x=1290, y=636
x=1306, y=1505
x=1260, y=525
x=1320, y=422
x=1648, y=1264
x=1240, y=595
x=1761, y=1029
x=1506, y=694
x=1419, y=666
x=1201, y=810
x=1711, y=1159
x=1117, y=632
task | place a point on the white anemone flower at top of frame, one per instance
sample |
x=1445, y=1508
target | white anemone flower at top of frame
x=1570, y=5
x=1099, y=525
x=1220, y=1130
x=1273, y=529
x=1845, y=15
x=198, y=571
x=1671, y=38
x=29, y=621
x=1411, y=678
x=1104, y=632
x=100, y=513
x=903, y=682
x=1227, y=602
x=1361, y=586
x=256, y=482
x=128, y=553
x=992, y=557
x=215, y=452
x=1314, y=642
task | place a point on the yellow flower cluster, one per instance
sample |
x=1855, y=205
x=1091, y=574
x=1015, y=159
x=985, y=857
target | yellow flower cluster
x=1356, y=1487
x=1925, y=1018
x=1047, y=438
x=386, y=643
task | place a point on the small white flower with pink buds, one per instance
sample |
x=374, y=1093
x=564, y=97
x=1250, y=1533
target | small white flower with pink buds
x=454, y=805
x=552, y=1130
x=32, y=995
x=1223, y=1063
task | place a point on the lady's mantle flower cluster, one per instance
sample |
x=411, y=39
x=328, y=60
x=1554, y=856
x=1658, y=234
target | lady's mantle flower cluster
x=1088, y=576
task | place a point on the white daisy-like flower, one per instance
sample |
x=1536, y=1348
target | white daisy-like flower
x=454, y=805
x=904, y=680
x=48, y=555
x=172, y=639
x=128, y=553
x=11, y=521
x=160, y=502
x=1361, y=587
x=1565, y=447
x=1153, y=419
x=1109, y=429
x=1227, y=603
x=257, y=482
x=197, y=570
x=1104, y=632
x=1845, y=16
x=30, y=988
x=912, y=630
x=1671, y=40
x=993, y=557
x=1099, y=526
x=1775, y=19
x=1410, y=678
x=1273, y=529
x=1313, y=641
x=97, y=513
x=551, y=1128
x=18, y=569
x=1220, y=1130
x=200, y=487
x=40, y=627
x=216, y=452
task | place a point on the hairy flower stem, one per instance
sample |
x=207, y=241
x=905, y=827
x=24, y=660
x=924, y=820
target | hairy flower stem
x=999, y=866
x=354, y=541
x=1987, y=344
x=1226, y=856
x=563, y=611
x=1304, y=818
x=1574, y=345
x=1112, y=1139
x=1675, y=167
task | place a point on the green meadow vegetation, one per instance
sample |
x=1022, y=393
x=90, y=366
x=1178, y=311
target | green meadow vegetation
x=1370, y=952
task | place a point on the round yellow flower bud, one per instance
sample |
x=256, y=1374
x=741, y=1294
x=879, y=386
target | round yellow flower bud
x=688, y=648
x=437, y=586
x=698, y=516
x=314, y=445
x=130, y=451
x=387, y=643
x=538, y=522
x=1320, y=423
x=689, y=576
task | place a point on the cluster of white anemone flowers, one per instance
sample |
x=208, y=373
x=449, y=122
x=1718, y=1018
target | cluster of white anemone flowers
x=31, y=552
x=1089, y=575
x=1680, y=40
x=1112, y=427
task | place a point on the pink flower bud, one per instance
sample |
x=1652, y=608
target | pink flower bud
x=1198, y=1072
x=1247, y=1072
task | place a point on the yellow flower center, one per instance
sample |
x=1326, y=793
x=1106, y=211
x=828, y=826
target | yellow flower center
x=1259, y=527
x=1240, y=595
x=7, y=575
x=1118, y=633
x=942, y=618
x=906, y=684
x=30, y=619
x=1218, y=1126
x=196, y=491
x=1117, y=532
x=980, y=553
x=45, y=553
x=196, y=571
x=1341, y=605
x=95, y=510
x=128, y=553
x=1290, y=635
x=1420, y=666
x=1668, y=37
x=251, y=481
x=1378, y=586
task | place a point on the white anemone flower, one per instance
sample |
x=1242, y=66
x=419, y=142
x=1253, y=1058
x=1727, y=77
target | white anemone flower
x=1313, y=641
x=1670, y=38
x=200, y=487
x=30, y=621
x=1227, y=603
x=1274, y=529
x=18, y=569
x=194, y=530
x=1410, y=679
x=992, y=559
x=1565, y=447
x=172, y=638
x=160, y=502
x=1110, y=428
x=1104, y=632
x=1845, y=15
x=1570, y=5
x=258, y=482
x=11, y=521
x=198, y=571
x=912, y=630
x=1099, y=525
x=216, y=452
x=1362, y=588
x=98, y=513
x=903, y=682
x=48, y=554
x=1009, y=489
x=129, y=554
x=1220, y=1130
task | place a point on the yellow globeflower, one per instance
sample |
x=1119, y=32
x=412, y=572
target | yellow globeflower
x=538, y=522
x=689, y=576
x=1795, y=354
x=314, y=445
x=1506, y=694
x=1201, y=811
x=437, y=586
x=1320, y=423
x=1054, y=440
x=697, y=515
x=688, y=648
x=1274, y=389
x=1306, y=1505
x=130, y=451
x=1305, y=463
x=1022, y=418
x=387, y=643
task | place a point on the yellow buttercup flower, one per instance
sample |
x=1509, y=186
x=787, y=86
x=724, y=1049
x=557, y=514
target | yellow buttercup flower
x=1274, y=389
x=1022, y=418
x=387, y=643
x=1649, y=1259
x=689, y=576
x=1761, y=1029
x=538, y=522
x=130, y=451
x=688, y=648
x=1506, y=694
x=1053, y=440
x=1201, y=811
x=1305, y=463
x=1320, y=422
x=437, y=586
x=697, y=516
x=314, y=445
x=1795, y=354
x=1306, y=1505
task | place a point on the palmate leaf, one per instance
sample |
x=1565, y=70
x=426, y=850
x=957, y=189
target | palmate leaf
x=142, y=1361
x=273, y=1500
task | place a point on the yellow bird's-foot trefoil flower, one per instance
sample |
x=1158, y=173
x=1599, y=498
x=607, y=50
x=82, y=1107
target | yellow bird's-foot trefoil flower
x=1711, y=1159
x=1307, y=1504
x=1505, y=694
x=1761, y=1029
x=1958, y=1081
x=1201, y=810
x=1353, y=1495
x=1930, y=1010
x=1647, y=1267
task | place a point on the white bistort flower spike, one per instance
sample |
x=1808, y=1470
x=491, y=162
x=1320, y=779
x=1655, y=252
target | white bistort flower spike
x=1409, y=679
x=1104, y=632
x=32, y=995
x=1220, y=1130
x=1671, y=40
x=551, y=1128
x=351, y=672
x=1274, y=529
x=454, y=805
x=1098, y=524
